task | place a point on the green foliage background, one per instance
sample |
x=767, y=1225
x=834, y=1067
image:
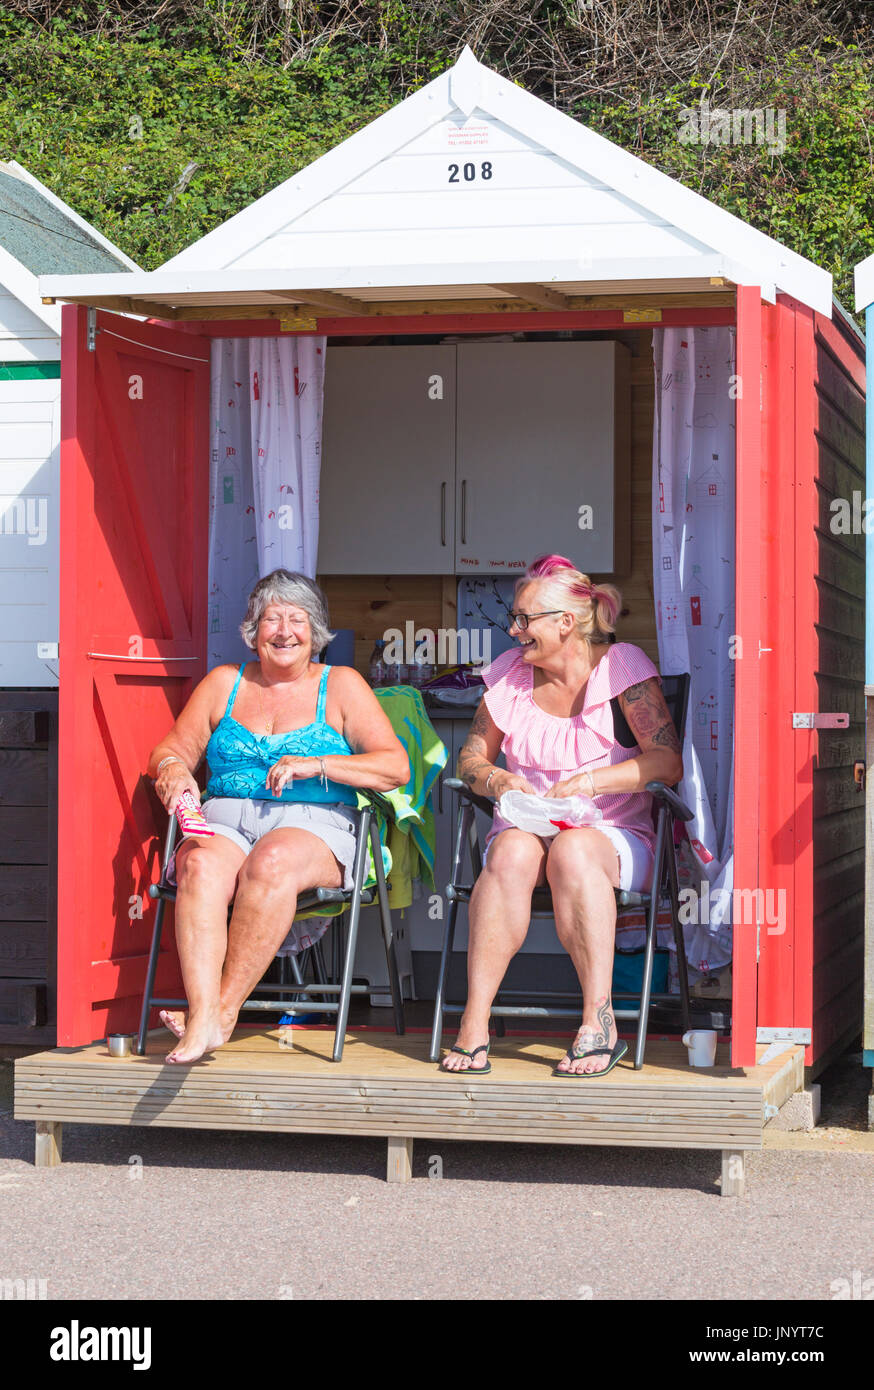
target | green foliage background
x=108, y=101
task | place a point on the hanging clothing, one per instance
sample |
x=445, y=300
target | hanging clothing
x=694, y=581
x=265, y=461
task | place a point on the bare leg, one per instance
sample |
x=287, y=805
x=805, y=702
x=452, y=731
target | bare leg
x=499, y=917
x=281, y=865
x=583, y=871
x=206, y=874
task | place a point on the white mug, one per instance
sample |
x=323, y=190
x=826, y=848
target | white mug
x=701, y=1043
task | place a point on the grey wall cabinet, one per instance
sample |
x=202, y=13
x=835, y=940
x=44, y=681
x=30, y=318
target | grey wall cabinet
x=475, y=458
x=542, y=462
x=387, y=491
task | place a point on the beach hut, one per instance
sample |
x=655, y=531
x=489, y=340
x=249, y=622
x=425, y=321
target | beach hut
x=490, y=280
x=39, y=234
x=865, y=491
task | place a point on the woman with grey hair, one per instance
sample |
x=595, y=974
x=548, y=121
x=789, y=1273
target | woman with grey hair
x=288, y=742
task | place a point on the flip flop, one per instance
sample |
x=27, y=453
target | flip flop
x=614, y=1053
x=466, y=1071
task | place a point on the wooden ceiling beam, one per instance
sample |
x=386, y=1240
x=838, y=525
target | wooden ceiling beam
x=329, y=300
x=541, y=295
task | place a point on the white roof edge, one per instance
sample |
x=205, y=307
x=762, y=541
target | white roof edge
x=863, y=276
x=21, y=282
x=143, y=283
x=469, y=82
x=63, y=207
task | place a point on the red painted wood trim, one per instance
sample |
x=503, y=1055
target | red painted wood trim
x=799, y=971
x=75, y=801
x=451, y=323
x=748, y=586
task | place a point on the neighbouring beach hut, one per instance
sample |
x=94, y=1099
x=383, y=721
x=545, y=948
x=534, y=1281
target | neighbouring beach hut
x=531, y=340
x=865, y=487
x=39, y=234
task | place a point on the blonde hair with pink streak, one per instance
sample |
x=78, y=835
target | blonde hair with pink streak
x=596, y=607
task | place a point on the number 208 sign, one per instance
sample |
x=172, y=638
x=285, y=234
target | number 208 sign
x=470, y=172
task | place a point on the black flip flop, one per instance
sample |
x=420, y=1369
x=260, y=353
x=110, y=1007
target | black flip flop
x=614, y=1053
x=471, y=1070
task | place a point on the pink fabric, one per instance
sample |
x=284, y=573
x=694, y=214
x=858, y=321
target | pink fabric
x=545, y=748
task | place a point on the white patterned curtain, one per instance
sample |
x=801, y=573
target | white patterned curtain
x=267, y=396
x=694, y=578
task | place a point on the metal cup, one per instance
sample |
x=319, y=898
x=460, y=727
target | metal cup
x=120, y=1044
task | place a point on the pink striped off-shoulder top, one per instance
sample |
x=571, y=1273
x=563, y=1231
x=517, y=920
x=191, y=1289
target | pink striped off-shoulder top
x=545, y=748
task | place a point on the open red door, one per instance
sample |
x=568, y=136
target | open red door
x=134, y=517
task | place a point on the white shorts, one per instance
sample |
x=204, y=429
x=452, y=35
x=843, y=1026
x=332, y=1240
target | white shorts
x=636, y=859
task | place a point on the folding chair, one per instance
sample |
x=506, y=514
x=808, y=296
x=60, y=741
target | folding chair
x=304, y=995
x=665, y=879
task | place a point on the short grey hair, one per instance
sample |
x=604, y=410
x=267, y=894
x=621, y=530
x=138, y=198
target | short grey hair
x=287, y=586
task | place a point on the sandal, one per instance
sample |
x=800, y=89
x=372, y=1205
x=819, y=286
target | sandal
x=614, y=1053
x=466, y=1071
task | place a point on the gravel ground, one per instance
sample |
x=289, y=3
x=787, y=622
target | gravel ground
x=166, y=1214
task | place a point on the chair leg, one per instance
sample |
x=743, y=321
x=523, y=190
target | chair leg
x=391, y=955
x=651, y=930
x=445, y=957
x=682, y=972
x=150, y=977
x=352, y=938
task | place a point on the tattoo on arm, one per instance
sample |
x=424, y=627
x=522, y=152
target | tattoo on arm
x=473, y=761
x=648, y=715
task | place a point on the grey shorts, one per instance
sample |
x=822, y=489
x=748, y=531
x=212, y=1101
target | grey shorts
x=244, y=821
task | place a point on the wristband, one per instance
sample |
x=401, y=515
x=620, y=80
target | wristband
x=171, y=758
x=490, y=776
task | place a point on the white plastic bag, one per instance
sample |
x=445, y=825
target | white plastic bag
x=547, y=815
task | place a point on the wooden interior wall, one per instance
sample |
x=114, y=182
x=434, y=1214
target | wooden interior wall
x=28, y=865
x=369, y=605
x=838, y=808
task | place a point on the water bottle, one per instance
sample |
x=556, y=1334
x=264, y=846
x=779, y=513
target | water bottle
x=377, y=670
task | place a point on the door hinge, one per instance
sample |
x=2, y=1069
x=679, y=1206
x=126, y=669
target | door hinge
x=92, y=330
x=820, y=721
x=793, y=1035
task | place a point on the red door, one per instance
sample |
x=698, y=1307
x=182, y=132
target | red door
x=134, y=515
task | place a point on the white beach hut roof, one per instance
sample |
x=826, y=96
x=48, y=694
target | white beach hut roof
x=864, y=278
x=470, y=189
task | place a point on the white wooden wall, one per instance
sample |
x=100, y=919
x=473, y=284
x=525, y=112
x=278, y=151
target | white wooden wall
x=468, y=191
x=24, y=337
x=29, y=496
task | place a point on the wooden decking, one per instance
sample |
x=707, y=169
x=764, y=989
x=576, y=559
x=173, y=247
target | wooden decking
x=386, y=1086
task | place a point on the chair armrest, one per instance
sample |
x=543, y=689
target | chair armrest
x=669, y=798
x=455, y=784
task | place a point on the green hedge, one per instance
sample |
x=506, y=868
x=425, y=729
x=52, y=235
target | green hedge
x=111, y=121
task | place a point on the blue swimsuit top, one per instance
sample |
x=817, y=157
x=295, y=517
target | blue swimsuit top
x=239, y=760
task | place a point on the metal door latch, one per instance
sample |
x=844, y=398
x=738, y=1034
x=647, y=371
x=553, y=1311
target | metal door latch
x=820, y=721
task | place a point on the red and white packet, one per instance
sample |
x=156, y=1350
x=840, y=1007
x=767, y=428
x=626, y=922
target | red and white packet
x=191, y=819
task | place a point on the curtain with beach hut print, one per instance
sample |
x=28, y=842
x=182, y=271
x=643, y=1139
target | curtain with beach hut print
x=693, y=580
x=266, y=437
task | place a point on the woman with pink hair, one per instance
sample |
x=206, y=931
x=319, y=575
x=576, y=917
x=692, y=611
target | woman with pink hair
x=573, y=711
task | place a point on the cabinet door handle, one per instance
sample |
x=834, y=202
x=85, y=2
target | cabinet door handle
x=443, y=513
x=464, y=511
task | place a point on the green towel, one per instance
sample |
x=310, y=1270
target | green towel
x=406, y=813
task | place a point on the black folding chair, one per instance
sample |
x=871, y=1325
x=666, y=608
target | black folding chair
x=305, y=996
x=664, y=881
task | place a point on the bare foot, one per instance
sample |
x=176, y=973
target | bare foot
x=469, y=1037
x=174, y=1019
x=202, y=1033
x=599, y=1031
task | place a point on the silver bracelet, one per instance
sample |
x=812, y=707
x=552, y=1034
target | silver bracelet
x=591, y=782
x=171, y=758
x=324, y=773
x=490, y=776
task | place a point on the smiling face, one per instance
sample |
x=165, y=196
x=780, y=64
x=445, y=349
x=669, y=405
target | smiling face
x=284, y=639
x=544, y=636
